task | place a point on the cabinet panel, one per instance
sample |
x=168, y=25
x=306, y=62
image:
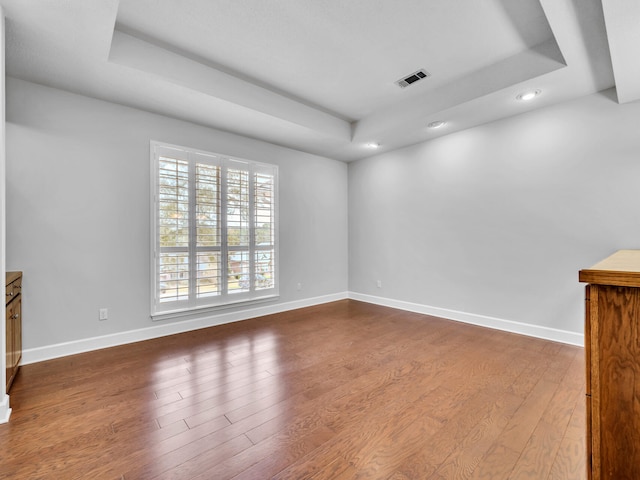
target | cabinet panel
x=618, y=370
x=612, y=350
x=13, y=334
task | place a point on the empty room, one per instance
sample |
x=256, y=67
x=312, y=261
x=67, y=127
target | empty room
x=320, y=239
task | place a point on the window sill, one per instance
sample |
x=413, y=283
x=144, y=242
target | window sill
x=205, y=309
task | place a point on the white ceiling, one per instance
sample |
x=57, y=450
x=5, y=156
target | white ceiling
x=319, y=75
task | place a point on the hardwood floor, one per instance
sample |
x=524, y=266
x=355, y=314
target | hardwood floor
x=345, y=390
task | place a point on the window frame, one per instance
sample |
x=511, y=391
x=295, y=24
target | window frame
x=224, y=299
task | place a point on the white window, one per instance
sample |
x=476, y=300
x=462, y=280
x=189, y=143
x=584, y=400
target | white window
x=214, y=230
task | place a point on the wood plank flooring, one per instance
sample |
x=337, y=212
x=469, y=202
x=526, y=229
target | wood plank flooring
x=341, y=391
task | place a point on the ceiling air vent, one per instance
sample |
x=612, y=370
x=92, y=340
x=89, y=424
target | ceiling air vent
x=413, y=78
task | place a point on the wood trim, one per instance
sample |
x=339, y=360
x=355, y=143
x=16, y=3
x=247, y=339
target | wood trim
x=587, y=337
x=614, y=278
x=588, y=399
x=594, y=425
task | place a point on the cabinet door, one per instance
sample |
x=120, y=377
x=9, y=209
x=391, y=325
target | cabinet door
x=9, y=344
x=616, y=399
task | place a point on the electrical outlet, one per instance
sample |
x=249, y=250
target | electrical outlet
x=379, y=283
x=103, y=314
x=299, y=285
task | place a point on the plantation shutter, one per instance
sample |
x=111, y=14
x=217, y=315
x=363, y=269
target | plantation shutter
x=213, y=228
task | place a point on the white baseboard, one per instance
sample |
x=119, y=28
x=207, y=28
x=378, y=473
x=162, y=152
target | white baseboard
x=5, y=409
x=562, y=336
x=49, y=352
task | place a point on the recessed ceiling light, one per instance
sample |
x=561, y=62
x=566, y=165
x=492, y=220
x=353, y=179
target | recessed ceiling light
x=528, y=95
x=373, y=145
x=437, y=124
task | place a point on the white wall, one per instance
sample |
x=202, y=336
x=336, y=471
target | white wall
x=497, y=220
x=489, y=224
x=78, y=213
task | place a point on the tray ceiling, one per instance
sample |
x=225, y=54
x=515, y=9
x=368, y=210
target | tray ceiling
x=320, y=75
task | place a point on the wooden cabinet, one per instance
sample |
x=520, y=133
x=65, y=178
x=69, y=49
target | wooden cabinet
x=612, y=348
x=14, y=324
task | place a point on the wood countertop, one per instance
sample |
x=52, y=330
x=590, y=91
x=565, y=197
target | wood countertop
x=620, y=269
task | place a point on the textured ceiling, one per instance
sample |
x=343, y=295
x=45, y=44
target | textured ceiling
x=319, y=75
